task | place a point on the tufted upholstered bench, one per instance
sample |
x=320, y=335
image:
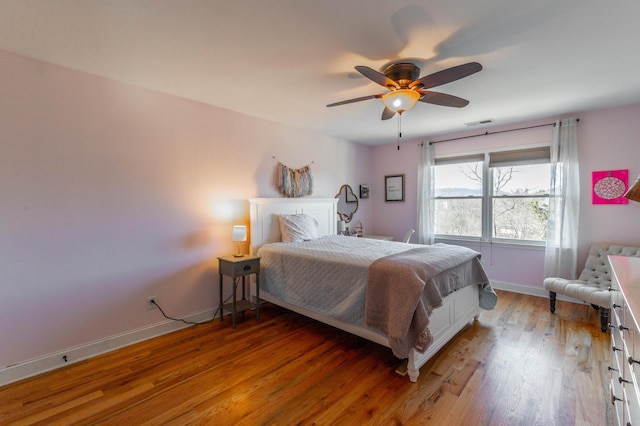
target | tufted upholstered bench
x=592, y=286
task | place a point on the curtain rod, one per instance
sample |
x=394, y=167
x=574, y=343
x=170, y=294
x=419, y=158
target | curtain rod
x=494, y=133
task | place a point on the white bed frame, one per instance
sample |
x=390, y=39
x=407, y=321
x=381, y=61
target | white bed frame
x=459, y=308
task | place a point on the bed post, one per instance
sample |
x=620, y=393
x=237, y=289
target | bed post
x=412, y=368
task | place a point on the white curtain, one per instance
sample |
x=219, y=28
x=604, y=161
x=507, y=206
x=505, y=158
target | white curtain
x=564, y=203
x=425, y=194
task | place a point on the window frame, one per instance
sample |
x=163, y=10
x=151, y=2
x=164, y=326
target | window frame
x=532, y=154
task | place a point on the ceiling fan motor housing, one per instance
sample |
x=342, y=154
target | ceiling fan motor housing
x=402, y=73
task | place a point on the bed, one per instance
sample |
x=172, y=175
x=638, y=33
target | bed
x=371, y=288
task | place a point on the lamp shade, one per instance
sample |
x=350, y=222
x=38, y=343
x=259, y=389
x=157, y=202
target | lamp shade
x=239, y=233
x=634, y=192
x=400, y=100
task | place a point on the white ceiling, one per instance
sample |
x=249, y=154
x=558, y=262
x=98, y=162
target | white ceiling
x=284, y=60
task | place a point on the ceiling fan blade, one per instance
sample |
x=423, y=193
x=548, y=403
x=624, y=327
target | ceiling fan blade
x=377, y=77
x=350, y=101
x=446, y=76
x=387, y=113
x=443, y=99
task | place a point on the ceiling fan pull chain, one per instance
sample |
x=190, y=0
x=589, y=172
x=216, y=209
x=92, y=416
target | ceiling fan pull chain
x=399, y=129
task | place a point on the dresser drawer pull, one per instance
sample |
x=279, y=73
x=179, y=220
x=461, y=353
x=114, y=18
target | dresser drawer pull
x=617, y=349
x=632, y=361
x=622, y=327
x=610, y=289
x=615, y=305
x=621, y=380
x=610, y=368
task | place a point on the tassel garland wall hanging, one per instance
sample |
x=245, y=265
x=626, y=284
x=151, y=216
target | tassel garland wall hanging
x=294, y=183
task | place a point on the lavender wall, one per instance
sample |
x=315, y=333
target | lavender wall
x=111, y=193
x=608, y=140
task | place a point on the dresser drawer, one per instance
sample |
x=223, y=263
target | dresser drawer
x=618, y=361
x=632, y=406
x=631, y=336
x=632, y=392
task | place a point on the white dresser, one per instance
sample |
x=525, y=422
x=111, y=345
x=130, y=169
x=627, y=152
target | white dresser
x=625, y=339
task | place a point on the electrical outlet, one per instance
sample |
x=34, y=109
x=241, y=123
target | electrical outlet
x=151, y=302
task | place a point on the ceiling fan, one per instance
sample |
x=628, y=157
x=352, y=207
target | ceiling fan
x=405, y=88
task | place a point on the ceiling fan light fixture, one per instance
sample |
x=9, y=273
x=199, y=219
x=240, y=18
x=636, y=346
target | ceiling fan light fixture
x=400, y=100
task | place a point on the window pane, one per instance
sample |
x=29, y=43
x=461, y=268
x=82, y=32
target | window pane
x=520, y=218
x=532, y=179
x=458, y=180
x=460, y=217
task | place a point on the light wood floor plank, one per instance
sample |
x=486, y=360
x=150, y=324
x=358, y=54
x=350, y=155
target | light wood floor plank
x=518, y=365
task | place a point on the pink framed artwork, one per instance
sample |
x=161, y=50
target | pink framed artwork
x=609, y=186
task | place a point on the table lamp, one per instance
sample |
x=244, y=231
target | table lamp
x=239, y=234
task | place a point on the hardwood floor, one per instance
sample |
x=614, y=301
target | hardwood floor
x=517, y=365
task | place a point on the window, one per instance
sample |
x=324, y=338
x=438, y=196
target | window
x=493, y=196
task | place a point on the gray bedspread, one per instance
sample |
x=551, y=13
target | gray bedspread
x=330, y=275
x=327, y=275
x=402, y=291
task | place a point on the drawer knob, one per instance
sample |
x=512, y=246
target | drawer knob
x=620, y=350
x=622, y=327
x=610, y=368
x=247, y=267
x=632, y=361
x=621, y=380
x=614, y=398
x=615, y=305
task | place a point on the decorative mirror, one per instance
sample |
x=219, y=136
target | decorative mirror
x=347, y=203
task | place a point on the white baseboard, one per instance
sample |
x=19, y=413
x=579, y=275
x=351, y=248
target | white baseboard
x=13, y=373
x=531, y=291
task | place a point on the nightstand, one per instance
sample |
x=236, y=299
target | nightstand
x=236, y=268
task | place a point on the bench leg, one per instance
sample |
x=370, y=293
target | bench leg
x=552, y=301
x=604, y=319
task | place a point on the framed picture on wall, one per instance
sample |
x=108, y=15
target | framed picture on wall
x=364, y=191
x=609, y=186
x=394, y=188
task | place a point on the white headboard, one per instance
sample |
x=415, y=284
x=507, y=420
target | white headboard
x=263, y=214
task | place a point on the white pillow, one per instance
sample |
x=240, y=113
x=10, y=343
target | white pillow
x=295, y=228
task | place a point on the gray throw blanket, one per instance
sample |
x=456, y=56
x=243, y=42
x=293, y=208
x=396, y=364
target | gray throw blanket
x=401, y=292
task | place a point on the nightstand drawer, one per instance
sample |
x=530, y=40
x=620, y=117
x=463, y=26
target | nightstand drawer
x=240, y=267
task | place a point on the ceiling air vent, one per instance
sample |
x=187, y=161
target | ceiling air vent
x=475, y=123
